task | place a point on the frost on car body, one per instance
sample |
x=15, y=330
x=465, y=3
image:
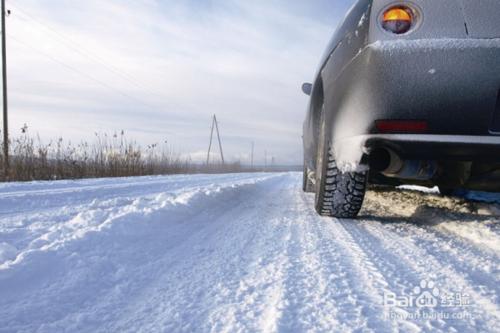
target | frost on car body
x=415, y=100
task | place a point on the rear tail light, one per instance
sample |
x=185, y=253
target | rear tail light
x=401, y=126
x=398, y=20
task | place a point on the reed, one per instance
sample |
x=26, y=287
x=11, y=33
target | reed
x=107, y=156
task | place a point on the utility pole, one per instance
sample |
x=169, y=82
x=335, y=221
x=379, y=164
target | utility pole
x=251, y=158
x=218, y=138
x=5, y=104
x=215, y=126
x=210, y=144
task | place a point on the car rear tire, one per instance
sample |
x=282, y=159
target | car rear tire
x=338, y=194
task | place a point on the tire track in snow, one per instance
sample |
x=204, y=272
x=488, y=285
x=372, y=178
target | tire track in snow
x=365, y=281
x=370, y=276
x=478, y=267
x=307, y=301
x=331, y=285
x=252, y=298
x=400, y=273
x=234, y=285
x=426, y=266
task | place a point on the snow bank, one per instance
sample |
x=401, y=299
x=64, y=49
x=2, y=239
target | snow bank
x=227, y=253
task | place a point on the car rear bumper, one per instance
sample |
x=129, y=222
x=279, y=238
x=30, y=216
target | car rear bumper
x=438, y=147
x=350, y=152
x=452, y=84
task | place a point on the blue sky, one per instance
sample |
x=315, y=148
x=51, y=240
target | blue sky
x=160, y=69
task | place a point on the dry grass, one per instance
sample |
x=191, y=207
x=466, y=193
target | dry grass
x=108, y=156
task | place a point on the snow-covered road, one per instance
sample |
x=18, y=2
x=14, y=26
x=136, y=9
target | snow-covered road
x=231, y=253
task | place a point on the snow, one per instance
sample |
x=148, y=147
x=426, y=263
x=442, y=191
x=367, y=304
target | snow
x=434, y=190
x=362, y=20
x=410, y=46
x=234, y=253
x=7, y=252
x=349, y=150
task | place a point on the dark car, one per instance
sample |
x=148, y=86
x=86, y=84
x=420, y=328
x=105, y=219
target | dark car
x=408, y=92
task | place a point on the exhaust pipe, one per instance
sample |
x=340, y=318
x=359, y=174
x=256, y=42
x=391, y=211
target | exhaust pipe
x=390, y=164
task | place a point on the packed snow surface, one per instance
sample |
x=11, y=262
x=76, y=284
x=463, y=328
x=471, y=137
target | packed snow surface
x=237, y=253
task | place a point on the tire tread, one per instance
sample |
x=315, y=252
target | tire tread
x=342, y=194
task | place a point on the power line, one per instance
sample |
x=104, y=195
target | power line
x=79, y=72
x=68, y=42
x=85, y=53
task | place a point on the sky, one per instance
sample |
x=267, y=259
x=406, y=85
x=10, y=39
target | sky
x=159, y=70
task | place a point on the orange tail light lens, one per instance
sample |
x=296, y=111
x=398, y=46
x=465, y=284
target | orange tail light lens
x=398, y=20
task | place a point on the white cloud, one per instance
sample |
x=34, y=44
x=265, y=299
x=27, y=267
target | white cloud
x=182, y=62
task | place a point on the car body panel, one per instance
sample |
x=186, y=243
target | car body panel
x=482, y=18
x=445, y=72
x=350, y=37
x=437, y=19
